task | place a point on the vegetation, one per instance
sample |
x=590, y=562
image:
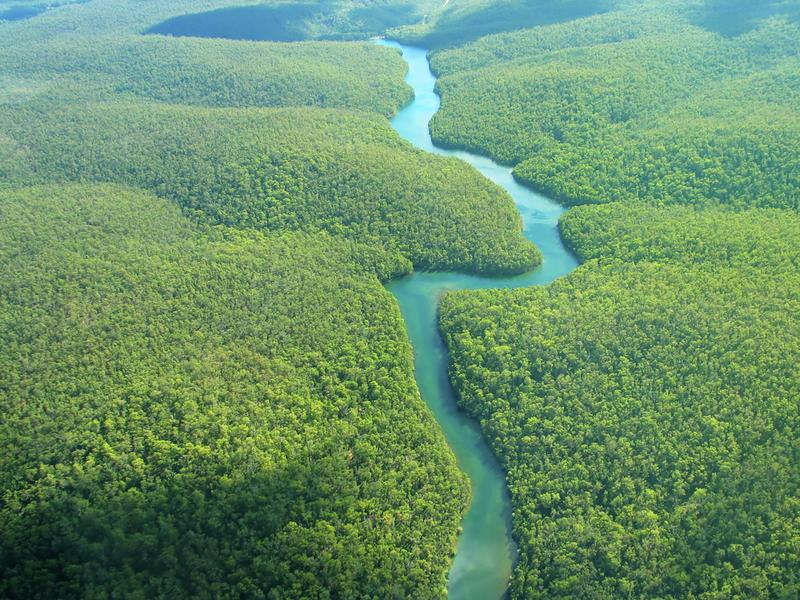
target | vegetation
x=766, y=239
x=207, y=392
x=296, y=21
x=205, y=73
x=279, y=169
x=96, y=51
x=635, y=105
x=467, y=20
x=646, y=406
x=310, y=19
x=197, y=412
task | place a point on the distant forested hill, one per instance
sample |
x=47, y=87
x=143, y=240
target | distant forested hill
x=460, y=21
x=346, y=173
x=204, y=72
x=646, y=103
x=97, y=50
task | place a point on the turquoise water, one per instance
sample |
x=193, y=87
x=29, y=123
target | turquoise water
x=486, y=552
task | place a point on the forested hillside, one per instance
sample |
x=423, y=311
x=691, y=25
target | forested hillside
x=296, y=21
x=761, y=238
x=204, y=72
x=346, y=173
x=640, y=104
x=96, y=51
x=197, y=412
x=646, y=406
x=206, y=390
x=458, y=22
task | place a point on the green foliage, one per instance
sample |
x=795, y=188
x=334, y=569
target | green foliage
x=461, y=21
x=635, y=105
x=221, y=405
x=293, y=21
x=645, y=407
x=196, y=412
x=210, y=72
x=279, y=169
x=274, y=19
x=683, y=159
x=767, y=239
x=224, y=406
x=95, y=51
x=536, y=42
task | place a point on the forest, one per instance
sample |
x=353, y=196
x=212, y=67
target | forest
x=645, y=406
x=641, y=104
x=296, y=21
x=763, y=238
x=207, y=391
x=459, y=22
x=203, y=73
x=345, y=173
x=193, y=411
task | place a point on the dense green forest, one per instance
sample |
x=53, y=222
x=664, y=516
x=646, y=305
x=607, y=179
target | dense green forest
x=278, y=169
x=763, y=238
x=638, y=104
x=646, y=406
x=95, y=51
x=297, y=21
x=204, y=72
x=207, y=392
x=198, y=412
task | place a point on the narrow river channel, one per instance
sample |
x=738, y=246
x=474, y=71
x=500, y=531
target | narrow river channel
x=486, y=551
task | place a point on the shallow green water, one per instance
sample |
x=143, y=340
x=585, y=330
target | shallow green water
x=485, y=552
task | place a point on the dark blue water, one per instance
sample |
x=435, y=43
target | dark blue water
x=18, y=13
x=486, y=552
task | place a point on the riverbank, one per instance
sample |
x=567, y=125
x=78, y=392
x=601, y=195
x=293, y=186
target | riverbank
x=486, y=551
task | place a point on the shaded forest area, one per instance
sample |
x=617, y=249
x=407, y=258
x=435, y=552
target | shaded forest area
x=193, y=412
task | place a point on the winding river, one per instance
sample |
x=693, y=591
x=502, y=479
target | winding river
x=486, y=552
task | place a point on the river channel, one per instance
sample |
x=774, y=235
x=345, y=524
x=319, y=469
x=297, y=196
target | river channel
x=486, y=552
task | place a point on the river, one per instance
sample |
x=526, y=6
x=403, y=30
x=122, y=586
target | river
x=486, y=552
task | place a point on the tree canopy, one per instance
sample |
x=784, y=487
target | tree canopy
x=200, y=412
x=639, y=104
x=345, y=173
x=646, y=405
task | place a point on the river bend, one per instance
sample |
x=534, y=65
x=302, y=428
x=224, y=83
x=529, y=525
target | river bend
x=486, y=551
